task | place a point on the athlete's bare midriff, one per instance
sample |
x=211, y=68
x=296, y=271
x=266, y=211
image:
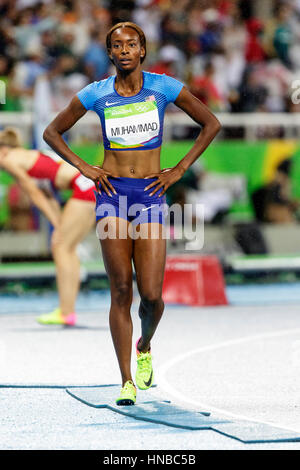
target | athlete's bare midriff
x=132, y=163
x=64, y=175
x=26, y=159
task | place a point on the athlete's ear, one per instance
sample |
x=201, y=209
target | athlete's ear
x=143, y=52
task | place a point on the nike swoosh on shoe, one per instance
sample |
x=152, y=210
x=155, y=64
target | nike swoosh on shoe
x=148, y=383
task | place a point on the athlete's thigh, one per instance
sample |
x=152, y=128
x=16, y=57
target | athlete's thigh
x=117, y=251
x=77, y=219
x=149, y=256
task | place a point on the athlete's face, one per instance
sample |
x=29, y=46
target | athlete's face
x=126, y=50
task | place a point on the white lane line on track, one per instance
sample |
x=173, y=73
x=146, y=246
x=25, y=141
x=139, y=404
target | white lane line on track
x=164, y=384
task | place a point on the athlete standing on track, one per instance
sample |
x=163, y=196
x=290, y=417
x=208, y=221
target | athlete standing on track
x=131, y=108
x=71, y=225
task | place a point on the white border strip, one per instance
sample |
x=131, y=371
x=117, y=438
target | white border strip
x=164, y=384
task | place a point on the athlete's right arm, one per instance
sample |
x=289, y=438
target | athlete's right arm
x=37, y=196
x=53, y=136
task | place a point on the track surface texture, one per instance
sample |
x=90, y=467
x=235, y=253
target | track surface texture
x=236, y=362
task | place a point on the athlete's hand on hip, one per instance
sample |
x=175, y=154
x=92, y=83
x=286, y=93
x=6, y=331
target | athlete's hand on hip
x=100, y=178
x=165, y=179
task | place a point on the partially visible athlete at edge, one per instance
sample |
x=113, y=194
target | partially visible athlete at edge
x=71, y=224
x=132, y=164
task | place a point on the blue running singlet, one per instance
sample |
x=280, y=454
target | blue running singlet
x=135, y=122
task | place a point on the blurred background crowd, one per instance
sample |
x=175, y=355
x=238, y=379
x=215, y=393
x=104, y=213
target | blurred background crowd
x=236, y=56
x=227, y=55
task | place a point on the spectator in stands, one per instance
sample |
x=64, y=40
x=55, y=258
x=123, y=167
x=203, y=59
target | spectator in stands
x=170, y=61
x=273, y=203
x=26, y=72
x=276, y=78
x=211, y=37
x=6, y=39
x=174, y=25
x=121, y=10
x=252, y=94
x=223, y=32
x=254, y=48
x=235, y=35
x=52, y=48
x=148, y=16
x=96, y=62
x=283, y=35
x=29, y=26
x=205, y=89
x=12, y=102
x=66, y=80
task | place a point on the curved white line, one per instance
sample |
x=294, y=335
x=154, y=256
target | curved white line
x=164, y=384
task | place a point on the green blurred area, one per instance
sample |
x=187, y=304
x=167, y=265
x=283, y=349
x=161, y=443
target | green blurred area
x=229, y=157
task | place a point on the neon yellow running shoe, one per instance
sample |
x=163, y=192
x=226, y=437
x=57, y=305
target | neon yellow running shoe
x=56, y=318
x=144, y=371
x=128, y=395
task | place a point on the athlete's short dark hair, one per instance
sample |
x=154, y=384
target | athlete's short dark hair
x=127, y=24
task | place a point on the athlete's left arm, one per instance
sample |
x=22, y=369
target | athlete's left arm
x=201, y=115
x=210, y=128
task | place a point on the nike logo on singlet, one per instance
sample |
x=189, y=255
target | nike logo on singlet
x=110, y=104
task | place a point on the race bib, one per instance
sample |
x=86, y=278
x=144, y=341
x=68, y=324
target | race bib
x=132, y=125
x=84, y=183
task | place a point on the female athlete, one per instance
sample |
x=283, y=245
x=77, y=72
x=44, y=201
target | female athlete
x=131, y=107
x=71, y=225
